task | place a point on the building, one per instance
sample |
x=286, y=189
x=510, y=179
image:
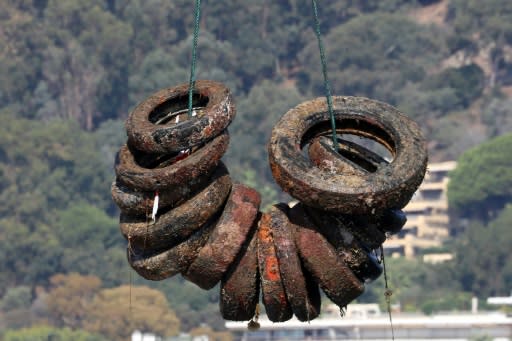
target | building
x=443, y=327
x=428, y=224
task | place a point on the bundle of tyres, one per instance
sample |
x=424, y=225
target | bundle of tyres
x=180, y=211
x=349, y=198
x=181, y=214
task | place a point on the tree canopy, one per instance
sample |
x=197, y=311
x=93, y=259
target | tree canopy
x=481, y=184
x=72, y=70
x=484, y=250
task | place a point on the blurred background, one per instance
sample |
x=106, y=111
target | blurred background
x=71, y=71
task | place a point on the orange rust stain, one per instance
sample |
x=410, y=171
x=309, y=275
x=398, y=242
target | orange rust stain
x=272, y=269
x=264, y=232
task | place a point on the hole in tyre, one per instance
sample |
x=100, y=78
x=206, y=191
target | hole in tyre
x=176, y=108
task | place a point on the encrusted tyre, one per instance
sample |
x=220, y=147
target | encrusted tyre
x=274, y=296
x=351, y=158
x=211, y=231
x=226, y=240
x=355, y=254
x=302, y=292
x=389, y=186
x=368, y=234
x=157, y=266
x=197, y=164
x=320, y=259
x=134, y=202
x=176, y=224
x=159, y=124
x=240, y=285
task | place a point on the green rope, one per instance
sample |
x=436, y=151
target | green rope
x=326, y=79
x=387, y=293
x=192, y=82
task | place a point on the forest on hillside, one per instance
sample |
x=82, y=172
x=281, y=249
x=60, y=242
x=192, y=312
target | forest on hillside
x=71, y=71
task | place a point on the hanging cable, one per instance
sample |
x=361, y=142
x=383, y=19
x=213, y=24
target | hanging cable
x=194, y=53
x=387, y=293
x=326, y=79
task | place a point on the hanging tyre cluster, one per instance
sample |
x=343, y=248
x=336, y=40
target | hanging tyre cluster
x=211, y=231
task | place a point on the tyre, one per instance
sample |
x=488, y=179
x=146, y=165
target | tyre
x=198, y=164
x=389, y=186
x=320, y=259
x=302, y=292
x=152, y=128
x=238, y=217
x=174, y=225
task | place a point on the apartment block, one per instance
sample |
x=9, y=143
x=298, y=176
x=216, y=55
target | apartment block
x=428, y=222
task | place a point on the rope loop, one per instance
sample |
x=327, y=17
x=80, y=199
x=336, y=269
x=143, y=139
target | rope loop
x=324, y=71
x=194, y=57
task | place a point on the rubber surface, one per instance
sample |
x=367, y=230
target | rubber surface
x=366, y=233
x=351, y=158
x=350, y=250
x=240, y=285
x=159, y=266
x=230, y=232
x=275, y=301
x=390, y=186
x=304, y=297
x=320, y=258
x=134, y=202
x=177, y=224
x=198, y=164
x=170, y=137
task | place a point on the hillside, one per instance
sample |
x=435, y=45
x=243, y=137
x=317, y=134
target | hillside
x=71, y=71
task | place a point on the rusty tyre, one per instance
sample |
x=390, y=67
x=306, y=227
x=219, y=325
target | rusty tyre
x=240, y=285
x=357, y=256
x=274, y=296
x=351, y=158
x=303, y=294
x=227, y=238
x=390, y=186
x=368, y=234
x=134, y=202
x=199, y=163
x=177, y=224
x=146, y=134
x=161, y=265
x=321, y=260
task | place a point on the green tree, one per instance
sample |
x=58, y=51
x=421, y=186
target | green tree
x=85, y=61
x=491, y=19
x=46, y=168
x=90, y=243
x=247, y=156
x=497, y=115
x=15, y=307
x=467, y=83
x=20, y=52
x=45, y=333
x=483, y=259
x=481, y=184
x=372, y=55
x=16, y=298
x=119, y=311
x=417, y=286
x=153, y=23
x=69, y=298
x=490, y=25
x=158, y=70
x=193, y=305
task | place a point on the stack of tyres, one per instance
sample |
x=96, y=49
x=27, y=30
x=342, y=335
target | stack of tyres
x=211, y=231
x=349, y=199
x=203, y=219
